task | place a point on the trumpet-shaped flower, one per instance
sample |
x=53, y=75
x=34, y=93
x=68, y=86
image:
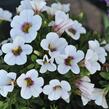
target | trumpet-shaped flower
x=7, y=81
x=31, y=84
x=16, y=52
x=47, y=64
x=63, y=24
x=70, y=60
x=26, y=25
x=86, y=89
x=53, y=44
x=100, y=51
x=91, y=61
x=56, y=90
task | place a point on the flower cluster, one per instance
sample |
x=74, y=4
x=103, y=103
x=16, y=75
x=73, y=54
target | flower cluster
x=42, y=31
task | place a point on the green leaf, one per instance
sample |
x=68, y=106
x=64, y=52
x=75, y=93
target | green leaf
x=84, y=72
x=33, y=57
x=105, y=75
x=30, y=66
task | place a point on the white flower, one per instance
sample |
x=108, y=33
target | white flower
x=31, y=84
x=16, y=52
x=70, y=60
x=38, y=5
x=26, y=25
x=7, y=81
x=56, y=90
x=57, y=7
x=106, y=47
x=53, y=44
x=47, y=64
x=99, y=97
x=95, y=46
x=86, y=88
x=91, y=61
x=5, y=15
x=35, y=5
x=64, y=24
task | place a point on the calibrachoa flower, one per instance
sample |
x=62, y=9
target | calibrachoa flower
x=5, y=15
x=53, y=44
x=95, y=46
x=57, y=7
x=16, y=52
x=99, y=97
x=46, y=64
x=35, y=5
x=91, y=61
x=56, y=90
x=63, y=24
x=26, y=25
x=31, y=84
x=70, y=60
x=7, y=81
x=86, y=89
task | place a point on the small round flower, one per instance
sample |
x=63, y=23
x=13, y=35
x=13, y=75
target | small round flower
x=53, y=44
x=35, y=5
x=57, y=7
x=56, y=90
x=5, y=15
x=91, y=61
x=47, y=64
x=31, y=84
x=16, y=52
x=26, y=25
x=70, y=60
x=86, y=88
x=7, y=81
x=63, y=24
x=100, y=51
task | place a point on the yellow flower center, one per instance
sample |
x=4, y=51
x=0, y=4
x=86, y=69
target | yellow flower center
x=29, y=82
x=26, y=27
x=17, y=51
x=69, y=60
